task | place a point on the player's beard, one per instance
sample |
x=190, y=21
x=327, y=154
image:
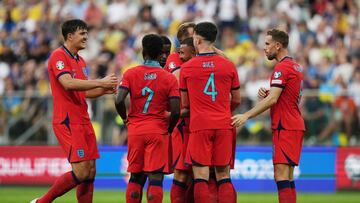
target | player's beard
x=271, y=56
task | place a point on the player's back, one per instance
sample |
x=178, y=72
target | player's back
x=209, y=79
x=288, y=75
x=150, y=88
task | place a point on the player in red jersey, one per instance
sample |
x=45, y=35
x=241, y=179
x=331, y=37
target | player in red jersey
x=181, y=189
x=151, y=89
x=286, y=121
x=71, y=123
x=173, y=61
x=206, y=81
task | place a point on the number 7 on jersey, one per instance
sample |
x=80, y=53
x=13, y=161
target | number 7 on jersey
x=148, y=100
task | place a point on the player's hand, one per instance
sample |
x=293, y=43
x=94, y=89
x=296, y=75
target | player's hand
x=263, y=92
x=109, y=81
x=239, y=119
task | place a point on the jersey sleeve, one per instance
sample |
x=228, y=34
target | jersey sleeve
x=183, y=85
x=125, y=81
x=173, y=62
x=235, y=81
x=174, y=87
x=59, y=64
x=279, y=76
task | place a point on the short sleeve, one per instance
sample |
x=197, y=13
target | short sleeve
x=235, y=80
x=183, y=85
x=279, y=76
x=174, y=87
x=173, y=63
x=59, y=65
x=125, y=81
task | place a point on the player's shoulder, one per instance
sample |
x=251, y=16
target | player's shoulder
x=58, y=52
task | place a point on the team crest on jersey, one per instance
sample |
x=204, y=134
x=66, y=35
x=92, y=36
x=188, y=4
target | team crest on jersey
x=277, y=74
x=172, y=65
x=60, y=65
x=81, y=153
x=85, y=71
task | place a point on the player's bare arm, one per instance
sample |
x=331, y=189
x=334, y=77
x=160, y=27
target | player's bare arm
x=185, y=99
x=235, y=99
x=120, y=103
x=175, y=113
x=69, y=83
x=260, y=107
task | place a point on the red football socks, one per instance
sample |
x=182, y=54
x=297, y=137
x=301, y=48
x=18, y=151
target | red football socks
x=284, y=192
x=226, y=191
x=201, y=191
x=84, y=191
x=133, y=193
x=178, y=192
x=62, y=185
x=155, y=192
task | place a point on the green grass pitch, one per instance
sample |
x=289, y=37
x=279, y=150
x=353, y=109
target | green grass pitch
x=26, y=194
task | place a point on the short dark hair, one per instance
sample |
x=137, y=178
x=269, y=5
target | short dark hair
x=279, y=36
x=165, y=40
x=152, y=45
x=207, y=30
x=188, y=42
x=183, y=30
x=71, y=26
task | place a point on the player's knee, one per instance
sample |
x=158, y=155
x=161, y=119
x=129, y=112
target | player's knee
x=83, y=175
x=156, y=176
x=181, y=176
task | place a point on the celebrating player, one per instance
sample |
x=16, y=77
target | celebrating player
x=206, y=82
x=286, y=121
x=71, y=123
x=150, y=88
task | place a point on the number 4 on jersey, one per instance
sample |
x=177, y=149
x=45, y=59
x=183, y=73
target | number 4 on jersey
x=212, y=93
x=143, y=93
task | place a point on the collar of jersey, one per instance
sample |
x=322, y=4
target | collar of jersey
x=286, y=57
x=76, y=57
x=206, y=54
x=152, y=63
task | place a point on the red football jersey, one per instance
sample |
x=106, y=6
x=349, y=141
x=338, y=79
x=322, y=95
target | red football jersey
x=285, y=113
x=150, y=88
x=69, y=106
x=173, y=62
x=209, y=79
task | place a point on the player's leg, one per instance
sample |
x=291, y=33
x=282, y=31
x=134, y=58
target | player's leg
x=135, y=159
x=292, y=183
x=179, y=186
x=199, y=154
x=281, y=175
x=85, y=190
x=135, y=187
x=222, y=157
x=155, y=191
x=155, y=165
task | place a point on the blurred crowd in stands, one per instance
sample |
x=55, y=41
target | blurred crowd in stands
x=324, y=39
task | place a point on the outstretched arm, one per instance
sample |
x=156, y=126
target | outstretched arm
x=69, y=83
x=260, y=107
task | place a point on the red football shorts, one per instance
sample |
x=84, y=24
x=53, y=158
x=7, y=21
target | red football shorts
x=287, y=146
x=78, y=141
x=232, y=161
x=210, y=147
x=180, y=139
x=148, y=153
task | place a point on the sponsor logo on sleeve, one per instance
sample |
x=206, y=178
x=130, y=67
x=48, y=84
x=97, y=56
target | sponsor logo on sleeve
x=172, y=65
x=277, y=74
x=60, y=65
